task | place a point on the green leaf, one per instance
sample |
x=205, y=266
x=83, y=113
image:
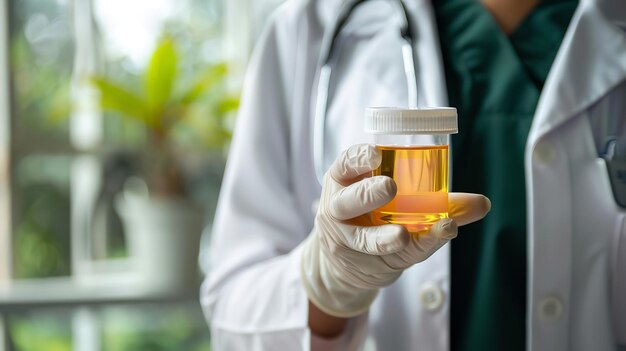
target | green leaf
x=228, y=104
x=116, y=98
x=160, y=76
x=213, y=75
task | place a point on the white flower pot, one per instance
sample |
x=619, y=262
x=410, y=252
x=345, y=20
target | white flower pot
x=163, y=237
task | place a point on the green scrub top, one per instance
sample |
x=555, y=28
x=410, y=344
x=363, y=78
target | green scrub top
x=495, y=81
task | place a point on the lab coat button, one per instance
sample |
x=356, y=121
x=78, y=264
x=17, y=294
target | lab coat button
x=550, y=309
x=431, y=297
x=545, y=153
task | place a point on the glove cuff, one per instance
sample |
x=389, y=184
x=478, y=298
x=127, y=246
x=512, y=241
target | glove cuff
x=324, y=290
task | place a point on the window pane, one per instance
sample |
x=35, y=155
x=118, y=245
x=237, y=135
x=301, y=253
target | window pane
x=41, y=55
x=49, y=330
x=165, y=327
x=41, y=65
x=42, y=230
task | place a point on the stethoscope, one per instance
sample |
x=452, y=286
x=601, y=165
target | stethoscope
x=328, y=59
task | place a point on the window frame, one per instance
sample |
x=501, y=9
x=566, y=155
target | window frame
x=6, y=229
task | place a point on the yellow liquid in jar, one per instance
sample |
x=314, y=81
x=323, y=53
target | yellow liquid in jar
x=421, y=175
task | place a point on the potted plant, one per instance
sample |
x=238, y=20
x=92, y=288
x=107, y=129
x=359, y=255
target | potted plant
x=162, y=225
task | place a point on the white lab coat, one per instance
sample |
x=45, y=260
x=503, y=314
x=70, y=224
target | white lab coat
x=253, y=297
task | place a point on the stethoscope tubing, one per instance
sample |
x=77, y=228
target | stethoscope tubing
x=329, y=56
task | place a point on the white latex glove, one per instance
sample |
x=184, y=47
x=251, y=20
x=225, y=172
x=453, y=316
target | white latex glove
x=346, y=259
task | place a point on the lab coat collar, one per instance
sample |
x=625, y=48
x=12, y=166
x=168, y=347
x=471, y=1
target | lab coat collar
x=327, y=11
x=590, y=62
x=364, y=21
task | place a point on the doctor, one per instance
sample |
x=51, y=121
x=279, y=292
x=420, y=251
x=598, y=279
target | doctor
x=541, y=94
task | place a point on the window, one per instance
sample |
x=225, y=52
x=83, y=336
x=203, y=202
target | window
x=69, y=277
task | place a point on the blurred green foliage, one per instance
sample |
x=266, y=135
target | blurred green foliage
x=41, y=332
x=41, y=59
x=144, y=327
x=155, y=328
x=42, y=98
x=40, y=250
x=42, y=246
x=170, y=107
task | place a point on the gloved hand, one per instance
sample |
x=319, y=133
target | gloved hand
x=346, y=259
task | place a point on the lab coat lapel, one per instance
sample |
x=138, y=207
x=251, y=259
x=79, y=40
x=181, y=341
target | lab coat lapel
x=590, y=62
x=589, y=65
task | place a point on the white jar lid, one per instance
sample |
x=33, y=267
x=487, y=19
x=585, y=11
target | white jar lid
x=402, y=120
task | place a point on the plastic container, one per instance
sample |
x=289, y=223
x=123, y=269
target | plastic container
x=415, y=153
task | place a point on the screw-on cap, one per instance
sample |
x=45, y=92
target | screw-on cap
x=396, y=120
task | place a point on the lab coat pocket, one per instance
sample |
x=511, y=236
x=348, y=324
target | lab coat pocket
x=618, y=282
